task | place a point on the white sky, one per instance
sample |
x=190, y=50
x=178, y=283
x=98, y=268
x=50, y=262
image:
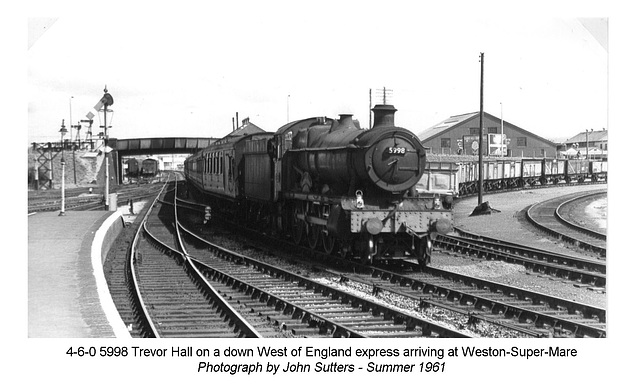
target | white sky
x=187, y=73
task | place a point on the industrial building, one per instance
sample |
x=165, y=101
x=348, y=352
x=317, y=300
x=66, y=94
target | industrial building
x=459, y=134
x=589, y=144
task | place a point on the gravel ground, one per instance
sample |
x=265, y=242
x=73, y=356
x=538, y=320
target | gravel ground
x=310, y=270
x=509, y=224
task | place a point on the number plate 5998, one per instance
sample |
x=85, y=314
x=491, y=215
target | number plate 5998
x=397, y=150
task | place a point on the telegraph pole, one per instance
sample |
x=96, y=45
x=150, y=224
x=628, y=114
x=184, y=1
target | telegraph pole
x=369, y=108
x=480, y=150
x=501, y=133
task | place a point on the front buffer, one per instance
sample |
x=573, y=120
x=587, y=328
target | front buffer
x=375, y=232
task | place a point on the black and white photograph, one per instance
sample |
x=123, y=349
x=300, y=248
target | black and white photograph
x=300, y=173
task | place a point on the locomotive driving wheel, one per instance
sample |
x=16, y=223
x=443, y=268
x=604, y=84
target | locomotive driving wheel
x=299, y=225
x=328, y=242
x=314, y=235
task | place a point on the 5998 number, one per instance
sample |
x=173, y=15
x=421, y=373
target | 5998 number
x=104, y=351
x=397, y=150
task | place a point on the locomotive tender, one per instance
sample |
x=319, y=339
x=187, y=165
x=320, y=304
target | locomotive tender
x=328, y=184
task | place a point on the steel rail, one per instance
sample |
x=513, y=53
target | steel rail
x=495, y=306
x=143, y=317
x=558, y=234
x=575, y=269
x=196, y=275
x=591, y=232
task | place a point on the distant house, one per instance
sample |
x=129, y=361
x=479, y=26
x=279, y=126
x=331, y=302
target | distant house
x=459, y=134
x=247, y=128
x=591, y=144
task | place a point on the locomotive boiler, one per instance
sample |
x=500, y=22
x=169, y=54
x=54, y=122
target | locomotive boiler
x=338, y=156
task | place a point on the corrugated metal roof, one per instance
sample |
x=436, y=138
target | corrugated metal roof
x=457, y=120
x=444, y=125
x=595, y=136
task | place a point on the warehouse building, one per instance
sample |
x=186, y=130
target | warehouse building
x=589, y=144
x=459, y=134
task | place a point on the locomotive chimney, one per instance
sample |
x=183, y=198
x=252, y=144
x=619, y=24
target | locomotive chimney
x=383, y=115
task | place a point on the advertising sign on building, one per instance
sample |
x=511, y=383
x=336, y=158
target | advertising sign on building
x=471, y=143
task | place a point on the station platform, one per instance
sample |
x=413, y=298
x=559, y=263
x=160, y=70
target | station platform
x=68, y=295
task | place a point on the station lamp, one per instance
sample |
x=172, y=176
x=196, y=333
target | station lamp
x=62, y=131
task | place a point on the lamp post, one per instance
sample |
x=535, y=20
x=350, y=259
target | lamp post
x=63, y=131
x=501, y=132
x=70, y=119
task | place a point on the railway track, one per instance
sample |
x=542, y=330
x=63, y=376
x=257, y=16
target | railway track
x=172, y=299
x=91, y=201
x=271, y=301
x=80, y=199
x=303, y=305
x=580, y=270
x=532, y=313
x=546, y=216
x=564, y=215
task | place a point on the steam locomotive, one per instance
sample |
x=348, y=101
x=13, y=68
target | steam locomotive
x=328, y=184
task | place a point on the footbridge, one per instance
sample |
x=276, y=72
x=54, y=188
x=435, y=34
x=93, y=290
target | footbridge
x=154, y=146
x=173, y=145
